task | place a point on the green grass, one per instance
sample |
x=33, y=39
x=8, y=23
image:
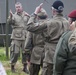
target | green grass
x=6, y=64
x=2, y=54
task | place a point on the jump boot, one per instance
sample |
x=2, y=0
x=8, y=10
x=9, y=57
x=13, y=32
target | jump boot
x=13, y=69
x=25, y=68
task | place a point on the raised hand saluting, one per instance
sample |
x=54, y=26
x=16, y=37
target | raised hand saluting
x=37, y=10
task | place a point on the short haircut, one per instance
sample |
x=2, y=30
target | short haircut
x=18, y=3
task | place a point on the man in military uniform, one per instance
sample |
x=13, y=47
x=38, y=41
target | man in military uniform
x=55, y=27
x=65, y=55
x=36, y=43
x=18, y=22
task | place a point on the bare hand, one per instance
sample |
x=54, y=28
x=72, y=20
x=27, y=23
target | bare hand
x=26, y=14
x=11, y=14
x=37, y=10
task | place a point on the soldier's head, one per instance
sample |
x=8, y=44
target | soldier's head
x=72, y=19
x=18, y=7
x=42, y=14
x=72, y=16
x=57, y=6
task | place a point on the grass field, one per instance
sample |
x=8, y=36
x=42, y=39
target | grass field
x=6, y=64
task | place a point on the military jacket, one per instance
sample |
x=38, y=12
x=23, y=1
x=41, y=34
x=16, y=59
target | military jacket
x=36, y=43
x=65, y=56
x=52, y=30
x=18, y=22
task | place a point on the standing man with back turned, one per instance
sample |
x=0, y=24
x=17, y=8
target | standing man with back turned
x=18, y=22
x=35, y=43
x=55, y=27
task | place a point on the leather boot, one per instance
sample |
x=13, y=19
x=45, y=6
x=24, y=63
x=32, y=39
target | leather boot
x=12, y=68
x=25, y=69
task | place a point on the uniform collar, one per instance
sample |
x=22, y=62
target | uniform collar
x=58, y=15
x=19, y=13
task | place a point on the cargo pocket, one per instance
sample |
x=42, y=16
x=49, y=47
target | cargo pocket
x=18, y=33
x=12, y=48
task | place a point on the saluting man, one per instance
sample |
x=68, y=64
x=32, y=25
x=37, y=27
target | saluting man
x=55, y=27
x=18, y=22
x=35, y=43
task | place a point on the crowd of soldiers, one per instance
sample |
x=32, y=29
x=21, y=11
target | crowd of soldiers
x=47, y=44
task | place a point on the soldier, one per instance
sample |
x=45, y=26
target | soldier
x=65, y=55
x=18, y=22
x=36, y=43
x=55, y=27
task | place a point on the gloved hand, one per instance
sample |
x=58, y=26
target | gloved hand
x=37, y=10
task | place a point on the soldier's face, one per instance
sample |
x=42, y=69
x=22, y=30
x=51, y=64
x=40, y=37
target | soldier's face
x=70, y=20
x=19, y=8
x=72, y=26
x=53, y=11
